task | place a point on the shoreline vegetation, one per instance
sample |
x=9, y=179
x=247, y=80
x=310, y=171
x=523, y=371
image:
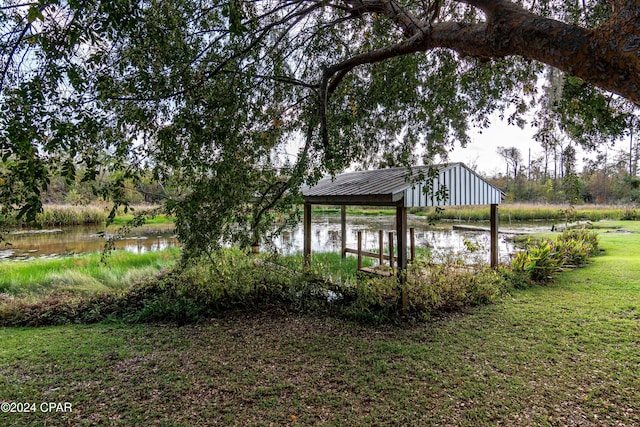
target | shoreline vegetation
x=130, y=288
x=81, y=275
x=95, y=214
x=231, y=278
x=507, y=212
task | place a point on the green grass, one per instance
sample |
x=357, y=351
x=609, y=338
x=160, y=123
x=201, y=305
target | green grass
x=84, y=274
x=565, y=354
x=330, y=265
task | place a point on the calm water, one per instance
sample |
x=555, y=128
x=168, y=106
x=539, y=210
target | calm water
x=77, y=240
x=325, y=238
x=441, y=239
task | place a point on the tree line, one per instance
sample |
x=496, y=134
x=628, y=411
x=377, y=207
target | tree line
x=553, y=176
x=608, y=178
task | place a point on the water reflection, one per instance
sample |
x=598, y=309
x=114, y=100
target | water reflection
x=441, y=240
x=78, y=240
x=326, y=231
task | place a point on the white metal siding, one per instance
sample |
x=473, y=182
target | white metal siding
x=464, y=188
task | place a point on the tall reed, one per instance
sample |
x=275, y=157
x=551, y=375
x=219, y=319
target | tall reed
x=69, y=215
x=60, y=215
x=529, y=212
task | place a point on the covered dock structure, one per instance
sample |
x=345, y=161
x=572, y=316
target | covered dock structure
x=452, y=184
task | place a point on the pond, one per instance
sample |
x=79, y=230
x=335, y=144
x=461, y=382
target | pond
x=441, y=239
x=75, y=240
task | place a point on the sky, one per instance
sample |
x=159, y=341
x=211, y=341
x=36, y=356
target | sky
x=482, y=150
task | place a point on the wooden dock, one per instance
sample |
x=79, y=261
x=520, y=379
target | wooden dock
x=485, y=229
x=381, y=269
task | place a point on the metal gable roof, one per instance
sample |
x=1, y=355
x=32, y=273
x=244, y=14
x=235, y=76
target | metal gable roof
x=389, y=186
x=381, y=181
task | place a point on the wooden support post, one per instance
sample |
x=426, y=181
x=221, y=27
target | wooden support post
x=359, y=250
x=343, y=229
x=380, y=247
x=412, y=237
x=391, y=249
x=494, y=235
x=307, y=234
x=401, y=227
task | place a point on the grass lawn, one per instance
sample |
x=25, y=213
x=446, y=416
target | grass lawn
x=566, y=354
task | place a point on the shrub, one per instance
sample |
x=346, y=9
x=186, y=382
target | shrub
x=430, y=288
x=588, y=240
x=233, y=280
x=540, y=261
x=448, y=287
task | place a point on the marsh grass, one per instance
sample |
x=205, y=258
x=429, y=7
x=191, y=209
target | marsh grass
x=356, y=211
x=69, y=215
x=123, y=219
x=63, y=215
x=531, y=212
x=512, y=212
x=81, y=275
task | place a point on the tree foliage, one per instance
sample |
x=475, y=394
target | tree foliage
x=235, y=104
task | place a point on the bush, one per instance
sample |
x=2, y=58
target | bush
x=63, y=308
x=430, y=288
x=540, y=261
x=587, y=240
x=448, y=287
x=231, y=281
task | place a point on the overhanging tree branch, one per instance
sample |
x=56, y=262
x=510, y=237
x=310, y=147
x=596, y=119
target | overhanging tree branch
x=332, y=76
x=608, y=57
